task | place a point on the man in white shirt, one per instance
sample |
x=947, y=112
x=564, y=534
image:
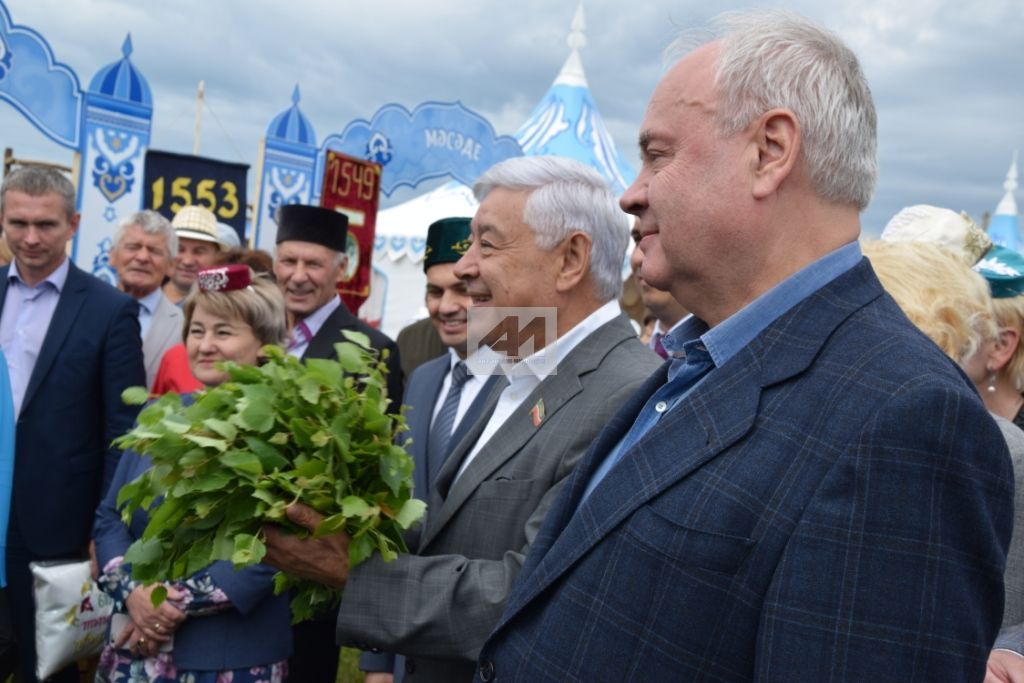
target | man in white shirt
x=548, y=234
x=143, y=255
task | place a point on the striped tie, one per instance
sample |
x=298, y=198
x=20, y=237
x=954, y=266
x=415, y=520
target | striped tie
x=441, y=432
x=300, y=335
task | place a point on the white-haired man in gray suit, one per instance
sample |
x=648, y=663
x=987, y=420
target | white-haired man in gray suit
x=548, y=234
x=143, y=255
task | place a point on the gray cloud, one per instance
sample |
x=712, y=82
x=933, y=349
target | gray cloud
x=945, y=75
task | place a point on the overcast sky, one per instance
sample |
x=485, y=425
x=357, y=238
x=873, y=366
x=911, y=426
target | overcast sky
x=947, y=76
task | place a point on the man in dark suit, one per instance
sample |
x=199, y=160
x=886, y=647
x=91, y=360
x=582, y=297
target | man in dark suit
x=548, y=237
x=442, y=399
x=810, y=490
x=309, y=264
x=72, y=346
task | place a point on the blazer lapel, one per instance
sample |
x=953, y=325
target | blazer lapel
x=161, y=330
x=714, y=416
x=422, y=395
x=322, y=344
x=555, y=391
x=68, y=306
x=3, y=286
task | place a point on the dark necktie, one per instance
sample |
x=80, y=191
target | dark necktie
x=438, y=444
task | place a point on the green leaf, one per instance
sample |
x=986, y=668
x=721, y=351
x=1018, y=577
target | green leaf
x=206, y=442
x=411, y=511
x=331, y=525
x=351, y=358
x=309, y=389
x=357, y=338
x=135, y=396
x=175, y=423
x=143, y=552
x=242, y=461
x=158, y=595
x=248, y=550
x=354, y=506
x=359, y=549
x=269, y=456
x=222, y=427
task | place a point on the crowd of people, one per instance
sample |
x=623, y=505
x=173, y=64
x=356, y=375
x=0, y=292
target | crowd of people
x=807, y=466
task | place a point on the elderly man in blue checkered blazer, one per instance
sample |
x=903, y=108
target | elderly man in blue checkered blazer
x=809, y=490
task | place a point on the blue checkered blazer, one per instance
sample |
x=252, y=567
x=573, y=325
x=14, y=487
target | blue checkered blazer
x=833, y=504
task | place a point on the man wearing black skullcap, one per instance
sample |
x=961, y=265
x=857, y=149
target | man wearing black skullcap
x=309, y=265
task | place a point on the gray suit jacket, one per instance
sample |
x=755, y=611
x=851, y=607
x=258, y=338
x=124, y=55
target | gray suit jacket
x=1011, y=636
x=164, y=332
x=438, y=607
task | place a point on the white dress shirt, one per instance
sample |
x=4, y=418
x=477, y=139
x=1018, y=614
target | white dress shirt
x=522, y=384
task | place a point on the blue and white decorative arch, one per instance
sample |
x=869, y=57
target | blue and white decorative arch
x=108, y=127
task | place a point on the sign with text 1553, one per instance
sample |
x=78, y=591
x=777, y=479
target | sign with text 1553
x=177, y=180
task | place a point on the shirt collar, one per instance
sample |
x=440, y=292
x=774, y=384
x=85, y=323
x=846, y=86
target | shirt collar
x=727, y=338
x=151, y=300
x=567, y=342
x=315, y=320
x=56, y=279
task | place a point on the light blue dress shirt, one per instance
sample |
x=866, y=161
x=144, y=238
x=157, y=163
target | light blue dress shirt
x=25, y=320
x=147, y=305
x=695, y=350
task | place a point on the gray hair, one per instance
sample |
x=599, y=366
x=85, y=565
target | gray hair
x=36, y=181
x=776, y=59
x=151, y=223
x=566, y=196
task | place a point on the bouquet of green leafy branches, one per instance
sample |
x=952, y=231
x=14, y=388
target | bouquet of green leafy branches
x=231, y=461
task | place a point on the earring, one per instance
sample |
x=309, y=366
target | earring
x=991, y=388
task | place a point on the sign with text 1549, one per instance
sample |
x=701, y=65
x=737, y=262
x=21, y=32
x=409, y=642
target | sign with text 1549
x=352, y=186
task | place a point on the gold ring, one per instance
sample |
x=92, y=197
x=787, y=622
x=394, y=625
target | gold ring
x=141, y=642
x=158, y=627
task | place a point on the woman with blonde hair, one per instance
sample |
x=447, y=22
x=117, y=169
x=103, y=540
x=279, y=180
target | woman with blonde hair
x=1004, y=270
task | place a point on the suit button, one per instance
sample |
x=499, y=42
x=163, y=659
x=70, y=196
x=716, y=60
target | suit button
x=410, y=666
x=487, y=671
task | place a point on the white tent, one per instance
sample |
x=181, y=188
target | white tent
x=566, y=122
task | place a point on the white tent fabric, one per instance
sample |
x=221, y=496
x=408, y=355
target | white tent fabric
x=566, y=122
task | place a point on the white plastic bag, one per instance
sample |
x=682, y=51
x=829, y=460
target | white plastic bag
x=71, y=614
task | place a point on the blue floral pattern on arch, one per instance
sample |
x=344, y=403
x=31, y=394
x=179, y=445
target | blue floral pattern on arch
x=5, y=58
x=101, y=267
x=286, y=187
x=113, y=171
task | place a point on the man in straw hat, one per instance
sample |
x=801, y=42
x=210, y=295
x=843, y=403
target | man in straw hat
x=199, y=247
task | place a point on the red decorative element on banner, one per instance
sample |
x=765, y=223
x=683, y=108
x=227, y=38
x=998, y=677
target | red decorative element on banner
x=352, y=186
